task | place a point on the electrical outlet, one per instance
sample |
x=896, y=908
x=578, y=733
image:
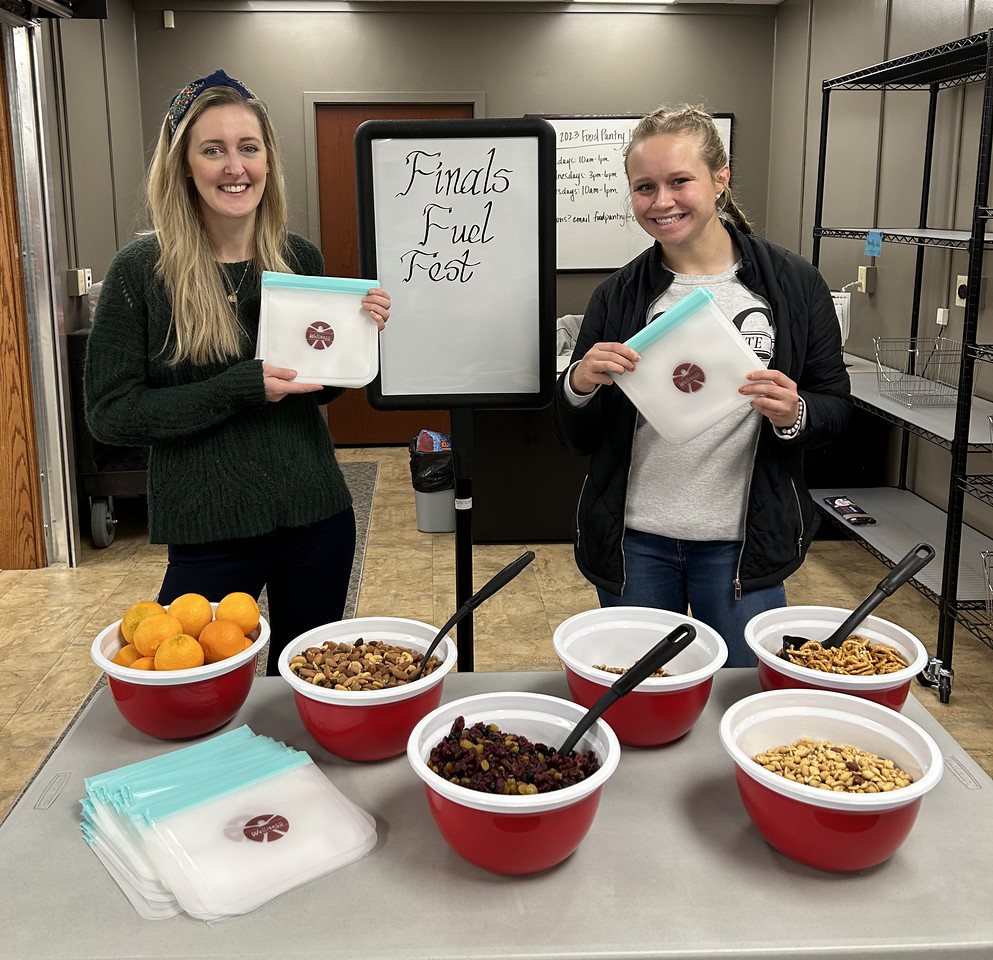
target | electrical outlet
x=962, y=288
x=941, y=318
x=867, y=280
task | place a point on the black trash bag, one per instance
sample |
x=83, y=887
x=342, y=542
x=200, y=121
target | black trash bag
x=431, y=471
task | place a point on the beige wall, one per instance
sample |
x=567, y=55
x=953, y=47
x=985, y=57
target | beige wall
x=525, y=58
x=764, y=64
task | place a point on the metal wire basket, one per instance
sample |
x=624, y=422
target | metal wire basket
x=918, y=371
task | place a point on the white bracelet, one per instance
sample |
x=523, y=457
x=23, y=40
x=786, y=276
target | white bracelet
x=795, y=429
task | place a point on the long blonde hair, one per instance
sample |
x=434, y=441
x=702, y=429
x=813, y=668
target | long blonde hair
x=687, y=119
x=205, y=325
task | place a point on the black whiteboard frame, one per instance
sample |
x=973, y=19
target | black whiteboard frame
x=515, y=127
x=622, y=116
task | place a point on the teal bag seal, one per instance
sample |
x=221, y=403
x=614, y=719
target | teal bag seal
x=328, y=284
x=659, y=327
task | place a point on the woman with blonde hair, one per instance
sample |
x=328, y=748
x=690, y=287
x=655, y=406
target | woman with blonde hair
x=715, y=524
x=243, y=483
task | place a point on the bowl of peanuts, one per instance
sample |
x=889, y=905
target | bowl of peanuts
x=349, y=683
x=829, y=780
x=877, y=662
x=500, y=794
x=598, y=645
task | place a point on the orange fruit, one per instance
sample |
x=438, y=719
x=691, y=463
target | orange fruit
x=126, y=655
x=221, y=639
x=153, y=630
x=135, y=614
x=240, y=607
x=144, y=663
x=193, y=611
x=178, y=653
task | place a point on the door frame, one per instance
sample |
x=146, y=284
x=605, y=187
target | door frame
x=314, y=98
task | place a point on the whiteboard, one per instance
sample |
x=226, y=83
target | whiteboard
x=456, y=220
x=595, y=229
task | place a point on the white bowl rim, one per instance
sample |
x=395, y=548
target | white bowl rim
x=474, y=708
x=354, y=627
x=843, y=706
x=649, y=685
x=837, y=681
x=165, y=678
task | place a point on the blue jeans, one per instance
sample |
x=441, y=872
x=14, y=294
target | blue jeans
x=305, y=571
x=695, y=576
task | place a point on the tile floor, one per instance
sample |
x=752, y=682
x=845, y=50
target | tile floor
x=51, y=615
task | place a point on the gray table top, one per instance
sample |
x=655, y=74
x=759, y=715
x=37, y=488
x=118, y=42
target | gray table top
x=671, y=868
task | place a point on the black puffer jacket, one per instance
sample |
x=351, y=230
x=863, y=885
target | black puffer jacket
x=781, y=517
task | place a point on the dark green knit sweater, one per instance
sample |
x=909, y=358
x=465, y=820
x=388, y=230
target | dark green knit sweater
x=224, y=462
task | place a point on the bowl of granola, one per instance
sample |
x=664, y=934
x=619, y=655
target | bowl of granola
x=878, y=662
x=500, y=795
x=597, y=645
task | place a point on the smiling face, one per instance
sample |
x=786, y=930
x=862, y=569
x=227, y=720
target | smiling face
x=673, y=193
x=226, y=157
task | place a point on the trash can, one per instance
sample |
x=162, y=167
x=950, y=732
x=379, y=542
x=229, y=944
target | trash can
x=432, y=473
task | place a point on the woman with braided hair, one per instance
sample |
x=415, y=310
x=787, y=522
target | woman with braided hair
x=713, y=525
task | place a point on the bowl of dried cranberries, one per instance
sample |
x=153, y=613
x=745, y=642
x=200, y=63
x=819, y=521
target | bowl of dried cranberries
x=499, y=793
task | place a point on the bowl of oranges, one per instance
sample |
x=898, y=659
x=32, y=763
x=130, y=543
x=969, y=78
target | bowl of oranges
x=185, y=669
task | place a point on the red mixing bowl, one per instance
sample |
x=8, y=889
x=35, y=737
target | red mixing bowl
x=513, y=834
x=178, y=704
x=829, y=830
x=764, y=635
x=660, y=709
x=368, y=724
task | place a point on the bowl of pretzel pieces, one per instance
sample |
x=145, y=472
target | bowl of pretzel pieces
x=877, y=662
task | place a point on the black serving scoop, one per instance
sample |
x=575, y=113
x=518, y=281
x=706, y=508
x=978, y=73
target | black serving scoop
x=483, y=593
x=911, y=562
x=671, y=644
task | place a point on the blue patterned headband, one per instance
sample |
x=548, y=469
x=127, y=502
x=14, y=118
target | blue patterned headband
x=183, y=100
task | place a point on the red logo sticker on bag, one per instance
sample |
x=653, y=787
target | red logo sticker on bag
x=688, y=377
x=267, y=828
x=320, y=335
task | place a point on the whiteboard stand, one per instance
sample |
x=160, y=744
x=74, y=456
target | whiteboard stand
x=457, y=223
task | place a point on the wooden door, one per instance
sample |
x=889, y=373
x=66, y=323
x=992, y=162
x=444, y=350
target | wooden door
x=352, y=421
x=22, y=509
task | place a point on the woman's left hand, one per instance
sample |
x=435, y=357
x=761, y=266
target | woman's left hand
x=774, y=396
x=377, y=303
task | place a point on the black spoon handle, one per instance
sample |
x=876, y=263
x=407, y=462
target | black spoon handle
x=484, y=593
x=671, y=644
x=911, y=562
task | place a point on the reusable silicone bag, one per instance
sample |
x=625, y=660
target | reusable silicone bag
x=693, y=359
x=316, y=326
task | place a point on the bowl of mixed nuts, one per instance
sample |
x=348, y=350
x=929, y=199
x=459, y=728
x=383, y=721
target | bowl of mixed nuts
x=598, y=645
x=349, y=681
x=831, y=781
x=499, y=793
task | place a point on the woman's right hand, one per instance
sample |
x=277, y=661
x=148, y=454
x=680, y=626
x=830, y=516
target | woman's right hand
x=601, y=360
x=279, y=382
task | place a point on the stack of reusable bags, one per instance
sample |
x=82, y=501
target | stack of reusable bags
x=220, y=827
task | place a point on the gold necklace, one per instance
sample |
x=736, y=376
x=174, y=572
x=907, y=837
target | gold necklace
x=233, y=296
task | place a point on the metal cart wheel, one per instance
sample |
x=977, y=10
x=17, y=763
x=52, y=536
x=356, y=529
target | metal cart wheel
x=102, y=521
